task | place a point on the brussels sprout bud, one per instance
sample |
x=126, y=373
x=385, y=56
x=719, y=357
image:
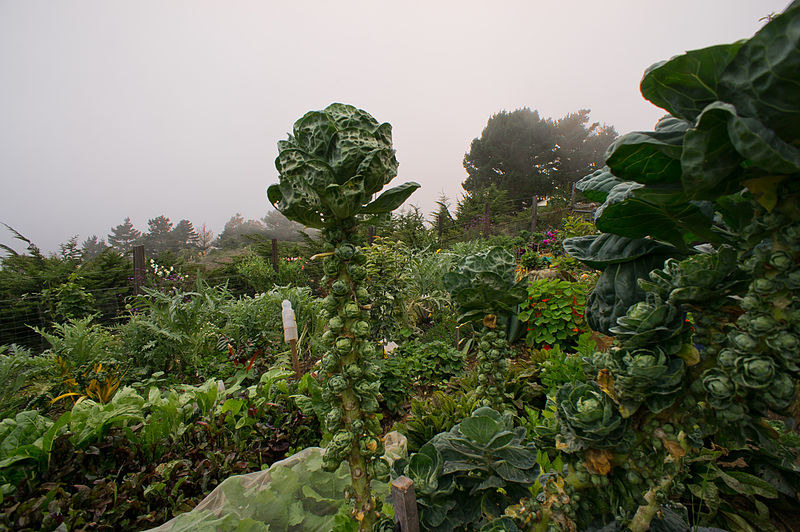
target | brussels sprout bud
x=339, y=288
x=762, y=324
x=345, y=251
x=780, y=260
x=333, y=420
x=357, y=426
x=484, y=346
x=727, y=357
x=357, y=273
x=744, y=342
x=344, y=345
x=330, y=304
x=483, y=379
x=337, y=384
x=336, y=324
x=361, y=329
x=331, y=266
x=494, y=353
x=328, y=337
x=750, y=302
x=763, y=286
x=354, y=371
x=362, y=294
x=351, y=311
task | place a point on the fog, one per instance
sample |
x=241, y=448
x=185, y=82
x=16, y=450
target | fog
x=141, y=108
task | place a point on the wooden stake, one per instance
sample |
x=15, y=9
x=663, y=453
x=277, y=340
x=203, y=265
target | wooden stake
x=295, y=360
x=138, y=269
x=275, y=254
x=404, y=501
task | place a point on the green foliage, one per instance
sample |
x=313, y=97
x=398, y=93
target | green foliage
x=561, y=367
x=483, y=284
x=176, y=332
x=554, y=313
x=589, y=418
x=414, y=364
x=261, y=275
x=471, y=473
x=25, y=378
x=68, y=300
x=438, y=413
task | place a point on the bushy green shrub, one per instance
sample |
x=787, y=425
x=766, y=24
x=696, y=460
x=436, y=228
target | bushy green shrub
x=554, y=314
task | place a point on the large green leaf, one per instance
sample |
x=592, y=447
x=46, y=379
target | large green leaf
x=721, y=141
x=346, y=116
x=709, y=158
x=649, y=156
x=391, y=199
x=763, y=80
x=685, y=84
x=600, y=251
x=479, y=428
x=617, y=289
x=349, y=148
x=513, y=474
x=597, y=185
x=627, y=215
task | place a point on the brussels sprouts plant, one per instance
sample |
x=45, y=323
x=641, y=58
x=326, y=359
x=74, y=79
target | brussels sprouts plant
x=330, y=167
x=484, y=290
x=700, y=283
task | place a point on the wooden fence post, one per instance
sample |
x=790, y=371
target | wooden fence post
x=404, y=501
x=275, y=254
x=138, y=269
x=533, y=214
x=371, y=234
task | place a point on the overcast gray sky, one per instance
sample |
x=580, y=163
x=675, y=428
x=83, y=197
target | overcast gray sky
x=139, y=108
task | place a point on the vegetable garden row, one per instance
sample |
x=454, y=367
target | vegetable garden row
x=651, y=385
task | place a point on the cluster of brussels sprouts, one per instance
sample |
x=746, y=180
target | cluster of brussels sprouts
x=757, y=369
x=492, y=358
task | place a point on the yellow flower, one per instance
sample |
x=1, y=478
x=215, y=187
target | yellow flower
x=438, y=250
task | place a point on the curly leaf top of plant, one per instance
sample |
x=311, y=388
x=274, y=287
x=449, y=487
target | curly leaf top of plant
x=332, y=164
x=483, y=283
x=588, y=418
x=329, y=168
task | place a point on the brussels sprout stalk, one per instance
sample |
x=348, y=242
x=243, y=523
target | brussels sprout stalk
x=330, y=168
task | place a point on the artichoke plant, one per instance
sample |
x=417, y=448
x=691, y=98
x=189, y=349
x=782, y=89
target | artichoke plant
x=484, y=289
x=330, y=167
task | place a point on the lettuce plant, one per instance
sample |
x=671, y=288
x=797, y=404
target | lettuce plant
x=331, y=165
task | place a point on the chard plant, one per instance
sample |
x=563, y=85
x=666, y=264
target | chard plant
x=700, y=284
x=331, y=165
x=484, y=289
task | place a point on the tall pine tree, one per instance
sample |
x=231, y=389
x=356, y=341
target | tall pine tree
x=124, y=236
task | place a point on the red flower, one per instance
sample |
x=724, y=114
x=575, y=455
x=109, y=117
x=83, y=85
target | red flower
x=546, y=347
